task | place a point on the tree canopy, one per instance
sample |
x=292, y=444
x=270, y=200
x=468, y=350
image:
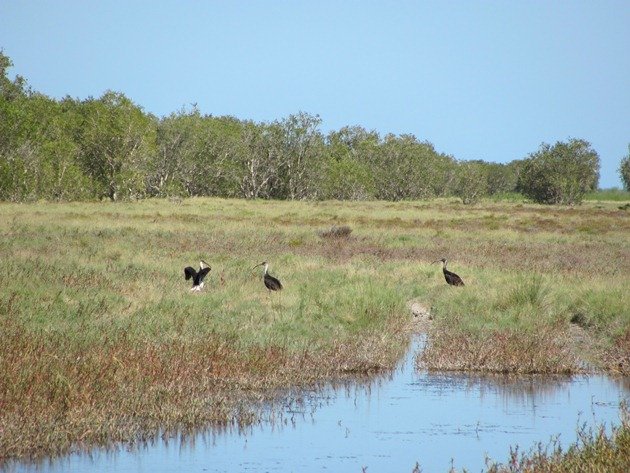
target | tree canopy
x=624, y=170
x=560, y=174
x=110, y=148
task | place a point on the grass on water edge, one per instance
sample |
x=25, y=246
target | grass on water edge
x=597, y=450
x=102, y=340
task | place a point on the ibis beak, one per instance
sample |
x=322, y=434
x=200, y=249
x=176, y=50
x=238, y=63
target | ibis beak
x=259, y=264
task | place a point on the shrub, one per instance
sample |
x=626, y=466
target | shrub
x=624, y=170
x=560, y=174
x=472, y=183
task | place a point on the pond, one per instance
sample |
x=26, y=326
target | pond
x=439, y=420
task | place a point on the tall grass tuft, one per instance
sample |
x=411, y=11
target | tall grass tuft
x=530, y=292
x=343, y=231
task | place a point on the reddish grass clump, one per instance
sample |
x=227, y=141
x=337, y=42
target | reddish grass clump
x=617, y=358
x=343, y=231
x=58, y=394
x=545, y=349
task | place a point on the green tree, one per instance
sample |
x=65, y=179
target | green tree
x=405, y=168
x=116, y=140
x=195, y=155
x=624, y=170
x=299, y=147
x=347, y=179
x=37, y=150
x=560, y=174
x=11, y=89
x=347, y=175
x=472, y=182
x=56, y=173
x=257, y=160
x=12, y=150
x=501, y=178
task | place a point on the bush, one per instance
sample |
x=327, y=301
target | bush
x=560, y=174
x=624, y=170
x=472, y=182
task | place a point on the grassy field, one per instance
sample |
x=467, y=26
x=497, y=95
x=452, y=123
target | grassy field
x=102, y=340
x=617, y=195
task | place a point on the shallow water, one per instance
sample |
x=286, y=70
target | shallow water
x=437, y=420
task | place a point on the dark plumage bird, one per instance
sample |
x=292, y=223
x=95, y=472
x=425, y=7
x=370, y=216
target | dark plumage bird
x=197, y=276
x=451, y=278
x=271, y=283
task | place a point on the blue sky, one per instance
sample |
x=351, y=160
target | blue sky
x=480, y=80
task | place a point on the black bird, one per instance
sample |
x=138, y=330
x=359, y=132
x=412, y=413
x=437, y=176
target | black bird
x=197, y=276
x=271, y=283
x=451, y=278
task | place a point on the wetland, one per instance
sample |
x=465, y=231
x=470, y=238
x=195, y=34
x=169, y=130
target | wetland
x=104, y=345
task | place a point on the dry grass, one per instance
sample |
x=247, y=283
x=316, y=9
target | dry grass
x=545, y=349
x=343, y=231
x=617, y=357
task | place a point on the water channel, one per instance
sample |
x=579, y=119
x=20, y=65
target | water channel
x=440, y=420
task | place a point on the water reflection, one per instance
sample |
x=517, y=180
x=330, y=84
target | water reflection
x=387, y=424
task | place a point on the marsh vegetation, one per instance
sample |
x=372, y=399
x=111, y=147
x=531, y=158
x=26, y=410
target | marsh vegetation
x=596, y=449
x=103, y=341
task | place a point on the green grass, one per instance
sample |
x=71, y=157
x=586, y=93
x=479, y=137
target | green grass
x=103, y=340
x=614, y=195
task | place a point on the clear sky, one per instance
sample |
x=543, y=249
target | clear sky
x=479, y=79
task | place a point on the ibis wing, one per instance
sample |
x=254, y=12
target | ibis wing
x=272, y=283
x=202, y=274
x=189, y=272
x=453, y=279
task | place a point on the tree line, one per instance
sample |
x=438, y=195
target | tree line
x=110, y=148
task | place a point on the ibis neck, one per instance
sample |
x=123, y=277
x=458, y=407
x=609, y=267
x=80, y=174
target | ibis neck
x=266, y=268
